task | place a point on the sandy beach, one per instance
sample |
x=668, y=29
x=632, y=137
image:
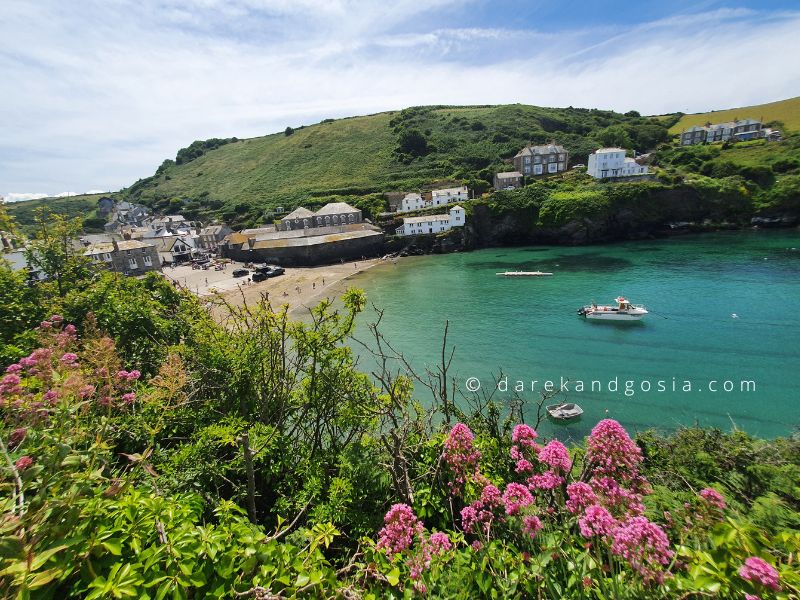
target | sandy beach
x=300, y=288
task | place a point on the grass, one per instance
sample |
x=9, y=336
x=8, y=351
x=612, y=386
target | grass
x=785, y=111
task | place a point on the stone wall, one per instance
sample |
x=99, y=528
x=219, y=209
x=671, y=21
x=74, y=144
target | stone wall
x=307, y=255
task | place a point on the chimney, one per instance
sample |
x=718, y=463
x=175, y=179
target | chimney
x=116, y=245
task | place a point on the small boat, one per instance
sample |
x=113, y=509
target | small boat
x=623, y=311
x=564, y=411
x=523, y=274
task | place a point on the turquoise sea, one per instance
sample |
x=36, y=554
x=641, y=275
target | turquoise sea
x=724, y=308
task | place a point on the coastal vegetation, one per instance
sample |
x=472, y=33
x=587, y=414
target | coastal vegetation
x=150, y=452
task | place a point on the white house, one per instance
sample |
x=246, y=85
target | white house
x=411, y=201
x=433, y=223
x=612, y=162
x=449, y=195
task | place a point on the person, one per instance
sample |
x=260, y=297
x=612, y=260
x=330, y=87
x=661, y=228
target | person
x=206, y=280
x=313, y=285
x=323, y=281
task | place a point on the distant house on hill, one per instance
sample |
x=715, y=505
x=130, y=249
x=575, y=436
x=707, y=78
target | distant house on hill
x=428, y=224
x=131, y=257
x=441, y=197
x=612, y=162
x=721, y=132
x=508, y=180
x=333, y=214
x=541, y=160
x=126, y=214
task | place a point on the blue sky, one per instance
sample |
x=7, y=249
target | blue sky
x=97, y=93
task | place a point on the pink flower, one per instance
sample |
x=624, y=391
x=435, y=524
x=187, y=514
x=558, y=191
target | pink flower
x=516, y=497
x=16, y=437
x=524, y=435
x=596, y=521
x=491, y=497
x=23, y=462
x=69, y=357
x=86, y=391
x=122, y=374
x=401, y=527
x=531, y=525
x=545, y=481
x=469, y=516
x=134, y=374
x=10, y=380
x=556, y=456
x=757, y=570
x=617, y=498
x=15, y=368
x=70, y=329
x=476, y=546
x=611, y=452
x=713, y=498
x=580, y=496
x=128, y=398
x=440, y=542
x=28, y=361
x=751, y=597
x=45, y=325
x=524, y=466
x=461, y=456
x=644, y=545
x=56, y=318
x=50, y=396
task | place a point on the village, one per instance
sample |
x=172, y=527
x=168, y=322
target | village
x=299, y=256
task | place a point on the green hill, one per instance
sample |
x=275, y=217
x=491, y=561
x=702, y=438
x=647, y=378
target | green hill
x=785, y=112
x=356, y=158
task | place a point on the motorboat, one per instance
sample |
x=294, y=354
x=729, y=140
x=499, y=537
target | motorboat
x=564, y=411
x=622, y=311
x=524, y=274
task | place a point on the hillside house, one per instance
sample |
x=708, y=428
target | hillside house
x=722, y=132
x=428, y=224
x=176, y=249
x=510, y=180
x=130, y=257
x=212, y=236
x=449, y=195
x=541, y=160
x=612, y=162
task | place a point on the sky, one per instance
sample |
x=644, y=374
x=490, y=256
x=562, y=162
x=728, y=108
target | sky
x=96, y=94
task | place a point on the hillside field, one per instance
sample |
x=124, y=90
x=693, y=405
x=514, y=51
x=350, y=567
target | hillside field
x=785, y=111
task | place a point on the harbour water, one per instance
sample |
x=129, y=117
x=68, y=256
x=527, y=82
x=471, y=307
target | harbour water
x=722, y=339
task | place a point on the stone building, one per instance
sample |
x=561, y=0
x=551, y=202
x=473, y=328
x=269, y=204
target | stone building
x=130, y=257
x=541, y=160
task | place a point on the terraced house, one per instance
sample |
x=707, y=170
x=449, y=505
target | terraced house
x=541, y=160
x=721, y=132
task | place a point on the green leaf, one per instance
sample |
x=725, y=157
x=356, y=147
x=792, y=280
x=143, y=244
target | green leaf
x=113, y=545
x=393, y=577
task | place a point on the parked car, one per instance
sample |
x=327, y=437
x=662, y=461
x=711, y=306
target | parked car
x=270, y=270
x=259, y=276
x=240, y=272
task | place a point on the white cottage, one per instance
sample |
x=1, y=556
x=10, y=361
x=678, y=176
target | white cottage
x=612, y=162
x=429, y=224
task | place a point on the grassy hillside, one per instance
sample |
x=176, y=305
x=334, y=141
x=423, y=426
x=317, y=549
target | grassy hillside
x=353, y=158
x=787, y=112
x=83, y=206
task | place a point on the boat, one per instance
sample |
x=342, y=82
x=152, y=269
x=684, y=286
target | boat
x=524, y=274
x=623, y=311
x=564, y=411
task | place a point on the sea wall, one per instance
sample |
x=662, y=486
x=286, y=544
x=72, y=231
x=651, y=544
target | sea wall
x=311, y=254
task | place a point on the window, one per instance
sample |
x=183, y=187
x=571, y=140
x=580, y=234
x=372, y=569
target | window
x=560, y=157
x=148, y=262
x=132, y=263
x=527, y=160
x=107, y=257
x=552, y=167
x=537, y=170
x=537, y=159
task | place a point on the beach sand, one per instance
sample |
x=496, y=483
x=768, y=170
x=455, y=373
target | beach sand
x=300, y=288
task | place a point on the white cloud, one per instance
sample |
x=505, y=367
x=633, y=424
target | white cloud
x=16, y=197
x=143, y=79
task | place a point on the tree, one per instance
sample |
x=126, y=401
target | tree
x=288, y=131
x=55, y=251
x=412, y=142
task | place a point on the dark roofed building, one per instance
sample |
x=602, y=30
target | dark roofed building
x=541, y=160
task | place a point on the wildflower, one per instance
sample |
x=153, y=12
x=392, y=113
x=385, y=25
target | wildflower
x=45, y=325
x=531, y=525
x=587, y=582
x=644, y=545
x=580, y=496
x=86, y=391
x=545, y=481
x=128, y=398
x=70, y=329
x=524, y=466
x=56, y=319
x=440, y=542
x=476, y=546
x=617, y=498
x=556, y=456
x=134, y=374
x=50, y=396
x=122, y=374
x=516, y=497
x=401, y=527
x=10, y=380
x=751, y=597
x=524, y=435
x=490, y=497
x=596, y=521
x=15, y=368
x=611, y=452
x=713, y=498
x=27, y=362
x=757, y=570
x=23, y=462
x=69, y=358
x=469, y=516
x=461, y=455
x=16, y=437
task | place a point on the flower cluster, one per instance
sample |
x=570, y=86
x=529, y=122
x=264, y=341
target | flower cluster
x=644, y=545
x=556, y=456
x=461, y=456
x=401, y=528
x=713, y=499
x=516, y=497
x=580, y=495
x=612, y=453
x=596, y=520
x=757, y=570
